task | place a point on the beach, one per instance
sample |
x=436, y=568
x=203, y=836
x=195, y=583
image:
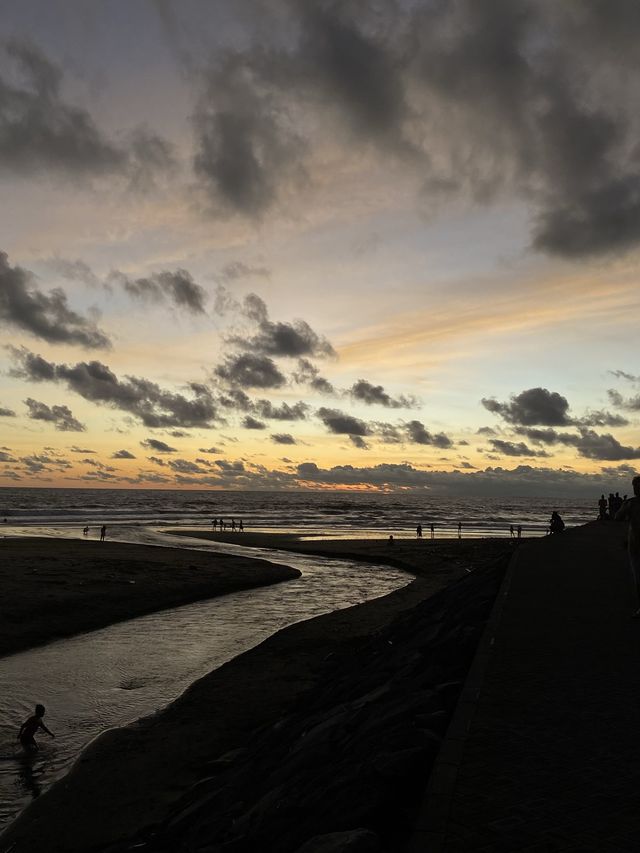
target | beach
x=130, y=779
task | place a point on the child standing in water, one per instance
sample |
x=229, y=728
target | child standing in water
x=30, y=727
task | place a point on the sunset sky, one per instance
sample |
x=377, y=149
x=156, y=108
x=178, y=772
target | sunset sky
x=278, y=244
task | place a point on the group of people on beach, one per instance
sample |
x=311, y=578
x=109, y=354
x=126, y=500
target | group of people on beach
x=103, y=532
x=215, y=522
x=608, y=507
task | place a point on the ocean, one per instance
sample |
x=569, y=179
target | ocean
x=320, y=513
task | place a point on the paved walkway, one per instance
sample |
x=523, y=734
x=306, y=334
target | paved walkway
x=545, y=755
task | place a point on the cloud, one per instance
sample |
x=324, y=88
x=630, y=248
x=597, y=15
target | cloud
x=282, y=412
x=531, y=407
x=6, y=413
x=212, y=450
x=631, y=404
x=75, y=449
x=74, y=270
x=509, y=448
x=477, y=100
x=246, y=145
x=145, y=400
x=183, y=466
x=122, y=454
x=291, y=340
x=41, y=132
x=376, y=395
x=178, y=287
x=283, y=438
x=236, y=270
x=249, y=422
x=417, y=433
x=342, y=424
x=358, y=442
x=308, y=374
x=157, y=445
x=621, y=374
x=46, y=316
x=60, y=416
x=251, y=371
x=588, y=442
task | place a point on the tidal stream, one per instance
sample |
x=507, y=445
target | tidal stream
x=108, y=678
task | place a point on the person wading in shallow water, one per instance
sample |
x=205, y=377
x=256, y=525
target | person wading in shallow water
x=103, y=533
x=30, y=727
x=630, y=511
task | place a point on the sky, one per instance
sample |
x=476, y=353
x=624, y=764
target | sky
x=389, y=244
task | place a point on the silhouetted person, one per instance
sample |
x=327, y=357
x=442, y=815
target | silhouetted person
x=103, y=533
x=519, y=531
x=602, y=508
x=618, y=501
x=556, y=525
x=233, y=524
x=459, y=530
x=241, y=526
x=419, y=531
x=511, y=531
x=30, y=727
x=222, y=524
x=612, y=505
x=433, y=530
x=85, y=531
x=214, y=523
x=630, y=511
x=391, y=539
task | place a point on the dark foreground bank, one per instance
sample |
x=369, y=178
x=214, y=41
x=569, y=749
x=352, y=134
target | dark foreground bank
x=53, y=588
x=330, y=725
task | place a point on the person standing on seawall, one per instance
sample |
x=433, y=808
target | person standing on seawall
x=630, y=511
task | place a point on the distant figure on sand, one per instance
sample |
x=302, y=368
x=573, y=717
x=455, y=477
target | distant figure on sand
x=214, y=523
x=419, y=531
x=432, y=528
x=85, y=531
x=30, y=727
x=511, y=531
x=103, y=533
x=233, y=524
x=391, y=539
x=519, y=529
x=459, y=530
x=602, y=508
x=556, y=524
x=241, y=526
x=630, y=511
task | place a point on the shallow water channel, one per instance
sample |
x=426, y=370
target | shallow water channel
x=110, y=677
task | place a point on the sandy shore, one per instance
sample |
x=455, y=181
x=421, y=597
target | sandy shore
x=129, y=778
x=54, y=588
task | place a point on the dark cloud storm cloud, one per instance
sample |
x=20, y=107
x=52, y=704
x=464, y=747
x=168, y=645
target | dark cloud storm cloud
x=249, y=422
x=157, y=445
x=155, y=407
x=376, y=395
x=43, y=315
x=533, y=100
x=283, y=438
x=177, y=287
x=536, y=406
x=510, y=448
x=250, y=371
x=60, y=416
x=42, y=132
x=122, y=454
x=291, y=340
x=417, y=433
x=282, y=412
x=6, y=413
x=342, y=424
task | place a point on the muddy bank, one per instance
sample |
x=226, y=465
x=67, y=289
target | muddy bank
x=53, y=588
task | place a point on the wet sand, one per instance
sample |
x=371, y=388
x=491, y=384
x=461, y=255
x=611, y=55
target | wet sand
x=53, y=588
x=129, y=778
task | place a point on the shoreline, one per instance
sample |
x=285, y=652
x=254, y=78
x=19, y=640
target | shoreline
x=58, y=588
x=109, y=784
